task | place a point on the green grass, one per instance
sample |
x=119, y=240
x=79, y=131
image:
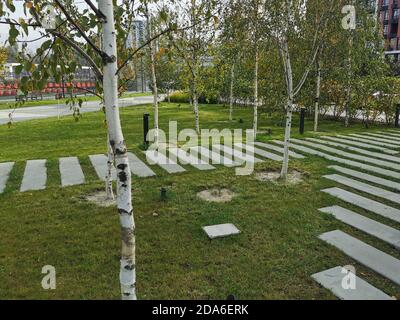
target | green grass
x=10, y=105
x=272, y=258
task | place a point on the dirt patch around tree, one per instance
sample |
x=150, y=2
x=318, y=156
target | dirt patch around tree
x=294, y=177
x=217, y=195
x=100, y=198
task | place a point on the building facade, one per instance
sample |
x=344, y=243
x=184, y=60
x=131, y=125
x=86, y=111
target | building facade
x=389, y=16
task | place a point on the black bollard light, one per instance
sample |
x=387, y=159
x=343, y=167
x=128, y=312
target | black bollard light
x=302, y=119
x=163, y=194
x=145, y=128
x=397, y=120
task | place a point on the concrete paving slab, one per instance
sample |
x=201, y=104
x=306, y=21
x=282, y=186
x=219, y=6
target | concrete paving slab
x=278, y=149
x=382, y=136
x=364, y=187
x=138, y=167
x=367, y=177
x=238, y=155
x=361, y=144
x=396, y=144
x=369, y=226
x=221, y=230
x=253, y=150
x=5, y=170
x=99, y=162
x=392, y=134
x=371, y=142
x=379, y=155
x=351, y=163
x=161, y=160
x=377, y=260
x=349, y=155
x=187, y=158
x=213, y=157
x=71, y=172
x=332, y=280
x=365, y=203
x=35, y=176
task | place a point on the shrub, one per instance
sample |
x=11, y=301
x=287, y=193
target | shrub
x=183, y=97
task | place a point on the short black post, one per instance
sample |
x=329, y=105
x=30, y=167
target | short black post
x=302, y=119
x=397, y=120
x=145, y=128
x=163, y=194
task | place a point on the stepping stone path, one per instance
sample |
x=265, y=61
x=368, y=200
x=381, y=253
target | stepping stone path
x=385, y=140
x=5, y=169
x=186, y=158
x=99, y=162
x=138, y=167
x=332, y=280
x=221, y=230
x=35, y=176
x=383, y=136
x=361, y=144
x=252, y=150
x=243, y=157
x=376, y=260
x=71, y=172
x=213, y=157
x=279, y=149
x=371, y=142
x=166, y=163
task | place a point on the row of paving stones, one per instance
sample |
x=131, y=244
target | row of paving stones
x=360, y=151
x=201, y=158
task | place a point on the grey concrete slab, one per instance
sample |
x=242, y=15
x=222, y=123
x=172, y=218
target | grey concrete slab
x=239, y=156
x=213, y=157
x=392, y=134
x=71, y=172
x=349, y=155
x=332, y=280
x=138, y=167
x=155, y=157
x=278, y=149
x=371, y=142
x=351, y=163
x=394, y=130
x=365, y=203
x=367, y=177
x=221, y=230
x=253, y=150
x=382, y=136
x=369, y=226
x=364, y=187
x=379, y=155
x=187, y=158
x=5, y=170
x=378, y=261
x=396, y=144
x=35, y=176
x=99, y=162
x=361, y=144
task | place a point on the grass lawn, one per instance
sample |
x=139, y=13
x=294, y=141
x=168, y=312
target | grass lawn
x=273, y=257
x=47, y=102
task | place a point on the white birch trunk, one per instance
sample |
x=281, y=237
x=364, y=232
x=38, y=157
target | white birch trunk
x=196, y=108
x=110, y=164
x=255, y=115
x=316, y=111
x=154, y=80
x=231, y=92
x=124, y=196
x=289, y=109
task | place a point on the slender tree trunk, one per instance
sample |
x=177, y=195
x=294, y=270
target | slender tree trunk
x=255, y=115
x=348, y=90
x=316, y=111
x=117, y=142
x=196, y=107
x=231, y=92
x=153, y=79
x=289, y=109
x=110, y=164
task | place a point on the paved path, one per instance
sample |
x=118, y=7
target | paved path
x=47, y=111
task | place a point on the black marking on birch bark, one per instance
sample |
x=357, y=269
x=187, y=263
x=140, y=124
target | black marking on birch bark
x=127, y=235
x=122, y=211
x=130, y=267
x=123, y=177
x=120, y=151
x=122, y=166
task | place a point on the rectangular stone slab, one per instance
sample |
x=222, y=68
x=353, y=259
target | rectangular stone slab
x=5, y=170
x=99, y=162
x=395, y=143
x=165, y=163
x=372, y=227
x=138, y=167
x=349, y=155
x=378, y=261
x=221, y=230
x=361, y=144
x=392, y=134
x=35, y=176
x=365, y=203
x=332, y=280
x=381, y=136
x=71, y=172
x=252, y=150
x=279, y=149
x=213, y=157
x=371, y=142
x=364, y=187
x=367, y=177
x=238, y=155
x=190, y=159
x=379, y=155
x=351, y=163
